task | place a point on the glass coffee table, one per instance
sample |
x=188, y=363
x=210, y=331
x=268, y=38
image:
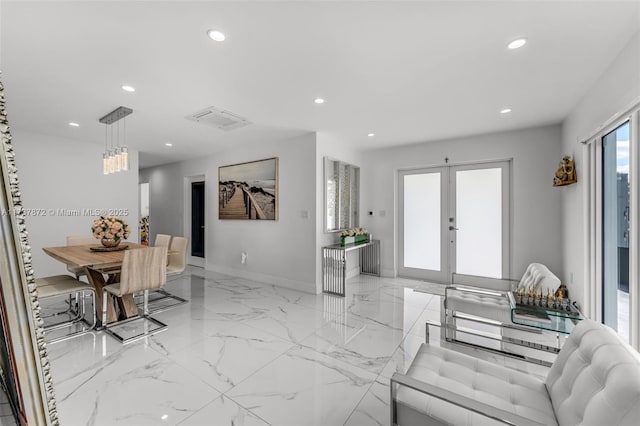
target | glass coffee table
x=560, y=320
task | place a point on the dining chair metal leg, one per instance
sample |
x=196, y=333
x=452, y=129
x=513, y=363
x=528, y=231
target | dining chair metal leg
x=156, y=303
x=147, y=331
x=62, y=285
x=105, y=296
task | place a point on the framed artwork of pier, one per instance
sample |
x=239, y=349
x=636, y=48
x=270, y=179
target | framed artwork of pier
x=249, y=191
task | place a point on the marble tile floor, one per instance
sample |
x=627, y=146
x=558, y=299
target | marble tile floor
x=248, y=353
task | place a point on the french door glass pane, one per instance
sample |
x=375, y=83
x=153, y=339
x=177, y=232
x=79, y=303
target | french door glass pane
x=479, y=222
x=422, y=221
x=615, y=218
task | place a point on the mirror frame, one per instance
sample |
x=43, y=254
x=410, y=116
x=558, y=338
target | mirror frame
x=29, y=368
x=328, y=161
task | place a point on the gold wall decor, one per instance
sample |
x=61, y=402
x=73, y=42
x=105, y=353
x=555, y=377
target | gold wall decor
x=566, y=173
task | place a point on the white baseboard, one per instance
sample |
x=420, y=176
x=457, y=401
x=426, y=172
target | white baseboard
x=388, y=273
x=263, y=278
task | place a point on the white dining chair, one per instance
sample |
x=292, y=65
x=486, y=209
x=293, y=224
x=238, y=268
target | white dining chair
x=162, y=240
x=176, y=265
x=65, y=285
x=142, y=270
x=178, y=256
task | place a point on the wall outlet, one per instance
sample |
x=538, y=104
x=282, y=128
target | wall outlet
x=243, y=257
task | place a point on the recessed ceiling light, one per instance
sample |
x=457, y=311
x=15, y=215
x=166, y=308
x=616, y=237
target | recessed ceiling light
x=505, y=111
x=128, y=88
x=216, y=35
x=517, y=43
x=168, y=144
x=371, y=135
x=318, y=100
x=72, y=124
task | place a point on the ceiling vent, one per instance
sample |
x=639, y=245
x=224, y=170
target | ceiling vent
x=219, y=118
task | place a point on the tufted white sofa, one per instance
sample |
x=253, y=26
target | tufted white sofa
x=490, y=300
x=595, y=380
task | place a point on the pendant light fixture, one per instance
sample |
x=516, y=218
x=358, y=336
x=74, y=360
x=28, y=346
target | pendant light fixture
x=115, y=157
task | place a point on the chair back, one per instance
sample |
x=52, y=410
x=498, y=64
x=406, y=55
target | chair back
x=162, y=240
x=595, y=379
x=80, y=240
x=143, y=269
x=178, y=260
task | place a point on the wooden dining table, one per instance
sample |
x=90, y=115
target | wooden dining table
x=97, y=264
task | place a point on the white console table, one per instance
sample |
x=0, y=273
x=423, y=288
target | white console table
x=334, y=264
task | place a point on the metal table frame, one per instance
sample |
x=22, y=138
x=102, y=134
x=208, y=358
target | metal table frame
x=334, y=264
x=531, y=326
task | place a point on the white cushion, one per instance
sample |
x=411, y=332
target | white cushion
x=498, y=386
x=481, y=305
x=595, y=379
x=61, y=284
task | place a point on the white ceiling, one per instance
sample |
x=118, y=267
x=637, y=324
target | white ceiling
x=406, y=71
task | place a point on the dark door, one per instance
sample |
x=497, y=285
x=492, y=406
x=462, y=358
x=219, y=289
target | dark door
x=197, y=219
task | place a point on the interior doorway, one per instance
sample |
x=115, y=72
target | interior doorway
x=195, y=218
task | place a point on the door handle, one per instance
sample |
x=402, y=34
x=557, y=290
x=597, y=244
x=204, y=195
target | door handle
x=452, y=228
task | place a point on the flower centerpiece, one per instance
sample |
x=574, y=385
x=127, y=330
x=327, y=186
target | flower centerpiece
x=354, y=236
x=110, y=230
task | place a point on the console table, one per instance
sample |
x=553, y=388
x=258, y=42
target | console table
x=334, y=264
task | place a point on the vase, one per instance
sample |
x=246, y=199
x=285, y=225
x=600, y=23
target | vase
x=350, y=239
x=362, y=238
x=109, y=243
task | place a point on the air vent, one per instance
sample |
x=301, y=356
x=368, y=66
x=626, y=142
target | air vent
x=218, y=118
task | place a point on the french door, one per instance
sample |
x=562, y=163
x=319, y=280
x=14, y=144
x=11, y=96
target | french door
x=454, y=219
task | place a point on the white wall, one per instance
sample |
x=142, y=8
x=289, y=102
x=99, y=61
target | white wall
x=280, y=252
x=536, y=233
x=59, y=177
x=615, y=90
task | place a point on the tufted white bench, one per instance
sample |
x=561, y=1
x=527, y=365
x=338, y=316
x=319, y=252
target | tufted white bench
x=595, y=380
x=487, y=299
x=485, y=302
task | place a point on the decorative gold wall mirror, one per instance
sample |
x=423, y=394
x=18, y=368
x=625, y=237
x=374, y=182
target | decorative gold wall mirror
x=341, y=195
x=24, y=366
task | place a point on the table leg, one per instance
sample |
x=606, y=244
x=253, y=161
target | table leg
x=96, y=279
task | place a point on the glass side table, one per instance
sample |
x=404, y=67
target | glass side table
x=558, y=320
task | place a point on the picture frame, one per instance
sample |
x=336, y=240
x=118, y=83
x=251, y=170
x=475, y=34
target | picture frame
x=249, y=190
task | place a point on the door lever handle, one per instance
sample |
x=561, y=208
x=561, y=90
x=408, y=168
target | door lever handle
x=452, y=228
